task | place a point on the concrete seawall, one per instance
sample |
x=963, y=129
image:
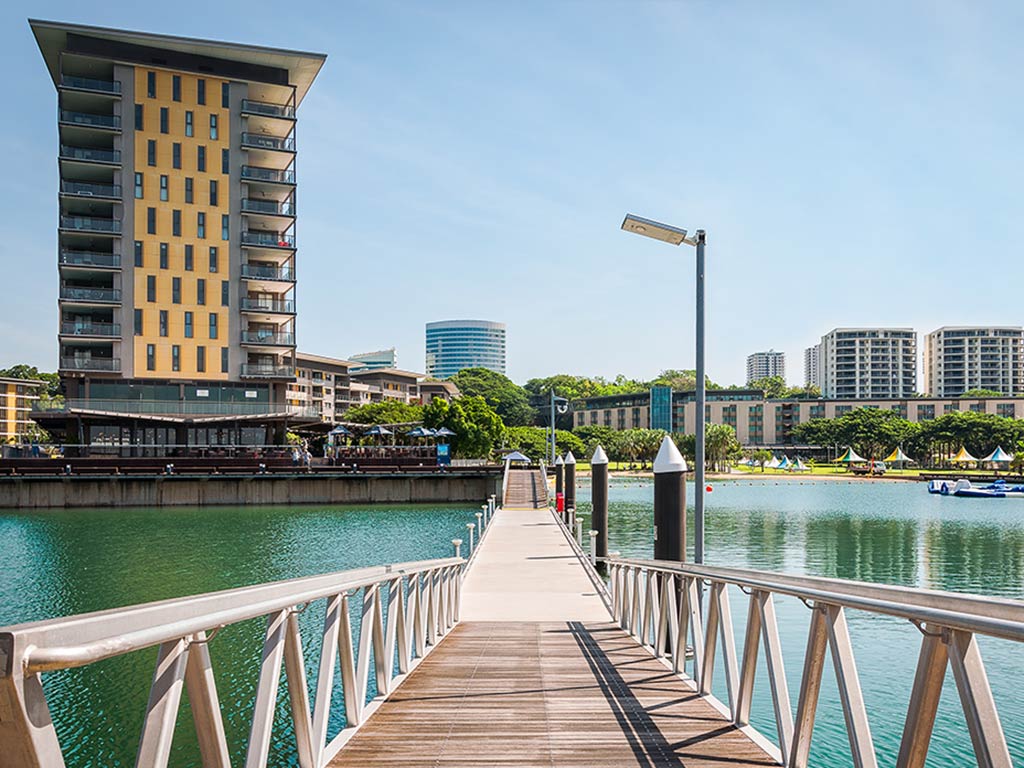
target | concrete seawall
x=238, y=490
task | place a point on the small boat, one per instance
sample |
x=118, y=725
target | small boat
x=963, y=488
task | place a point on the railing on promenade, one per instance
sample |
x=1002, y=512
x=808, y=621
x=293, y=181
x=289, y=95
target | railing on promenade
x=405, y=608
x=659, y=603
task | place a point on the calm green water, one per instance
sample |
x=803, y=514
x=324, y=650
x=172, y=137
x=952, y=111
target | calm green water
x=893, y=533
x=62, y=562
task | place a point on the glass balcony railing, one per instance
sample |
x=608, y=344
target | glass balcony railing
x=71, y=258
x=176, y=407
x=83, y=293
x=90, y=84
x=268, y=239
x=89, y=328
x=90, y=154
x=261, y=371
x=261, y=141
x=256, y=173
x=90, y=224
x=88, y=189
x=273, y=207
x=267, y=272
x=260, y=304
x=90, y=120
x=90, y=364
x=269, y=110
x=270, y=338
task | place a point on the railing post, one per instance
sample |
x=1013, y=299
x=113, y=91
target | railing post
x=480, y=523
x=593, y=548
x=482, y=516
x=470, y=527
x=457, y=545
x=579, y=532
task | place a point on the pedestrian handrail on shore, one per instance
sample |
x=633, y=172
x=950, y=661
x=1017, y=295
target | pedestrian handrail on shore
x=659, y=603
x=405, y=608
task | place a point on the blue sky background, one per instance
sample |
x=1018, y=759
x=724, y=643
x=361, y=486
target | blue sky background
x=853, y=163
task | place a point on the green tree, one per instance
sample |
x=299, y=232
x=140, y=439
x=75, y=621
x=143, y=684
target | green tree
x=762, y=456
x=595, y=435
x=478, y=428
x=385, y=412
x=775, y=388
x=982, y=393
x=21, y=371
x=508, y=399
x=721, y=446
x=533, y=441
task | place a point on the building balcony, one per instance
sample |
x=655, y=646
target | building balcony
x=106, y=364
x=271, y=143
x=91, y=224
x=90, y=120
x=269, y=207
x=90, y=259
x=90, y=155
x=263, y=239
x=268, y=306
x=268, y=175
x=88, y=295
x=264, y=371
x=88, y=84
x=268, y=338
x=89, y=189
x=265, y=109
x=268, y=272
x=89, y=328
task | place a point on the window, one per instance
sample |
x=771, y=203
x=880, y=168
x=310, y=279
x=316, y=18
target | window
x=201, y=224
x=163, y=255
x=163, y=322
x=176, y=223
x=163, y=188
x=213, y=258
x=225, y=95
x=200, y=91
x=151, y=84
x=225, y=226
x=176, y=155
x=189, y=126
x=213, y=325
x=225, y=161
x=213, y=192
x=175, y=357
x=138, y=186
x=201, y=159
x=176, y=87
x=201, y=292
x=138, y=322
x=150, y=287
x=176, y=290
x=138, y=117
x=151, y=152
x=189, y=265
x=201, y=359
x=138, y=253
x=188, y=190
x=188, y=325
x=213, y=127
x=151, y=221
x=165, y=118
x=225, y=293
x=150, y=357
x=223, y=359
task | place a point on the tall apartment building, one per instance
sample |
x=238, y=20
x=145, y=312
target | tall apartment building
x=961, y=358
x=453, y=345
x=176, y=234
x=868, y=363
x=761, y=365
x=812, y=373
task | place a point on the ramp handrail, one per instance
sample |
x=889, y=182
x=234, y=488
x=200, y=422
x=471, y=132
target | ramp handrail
x=405, y=609
x=661, y=604
x=504, y=482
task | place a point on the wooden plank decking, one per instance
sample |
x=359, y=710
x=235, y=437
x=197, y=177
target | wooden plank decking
x=546, y=694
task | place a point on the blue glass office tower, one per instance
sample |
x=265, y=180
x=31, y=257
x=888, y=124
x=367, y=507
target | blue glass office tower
x=456, y=344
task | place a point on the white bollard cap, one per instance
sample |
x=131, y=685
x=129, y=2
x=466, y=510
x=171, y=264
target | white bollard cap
x=599, y=457
x=569, y=458
x=558, y=461
x=669, y=459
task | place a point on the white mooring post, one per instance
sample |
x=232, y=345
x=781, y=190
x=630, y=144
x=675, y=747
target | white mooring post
x=457, y=544
x=470, y=527
x=599, y=502
x=669, y=503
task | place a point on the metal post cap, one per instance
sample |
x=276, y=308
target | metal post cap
x=669, y=459
x=558, y=461
x=599, y=457
x=569, y=458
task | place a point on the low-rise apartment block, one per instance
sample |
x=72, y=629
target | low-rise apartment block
x=958, y=359
x=17, y=396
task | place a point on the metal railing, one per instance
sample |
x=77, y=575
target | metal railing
x=178, y=407
x=286, y=306
x=644, y=603
x=88, y=328
x=273, y=207
x=90, y=364
x=269, y=110
x=90, y=84
x=270, y=338
x=73, y=258
x=405, y=610
x=90, y=224
x=81, y=293
x=88, y=189
x=268, y=272
x=260, y=371
x=262, y=141
x=269, y=239
x=90, y=154
x=255, y=173
x=90, y=120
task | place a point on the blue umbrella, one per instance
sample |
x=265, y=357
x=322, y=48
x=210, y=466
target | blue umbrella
x=444, y=432
x=379, y=430
x=339, y=430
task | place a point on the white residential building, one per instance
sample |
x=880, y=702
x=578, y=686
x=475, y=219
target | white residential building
x=812, y=371
x=878, y=363
x=961, y=358
x=761, y=365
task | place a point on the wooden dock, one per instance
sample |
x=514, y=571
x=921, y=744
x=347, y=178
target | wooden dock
x=536, y=674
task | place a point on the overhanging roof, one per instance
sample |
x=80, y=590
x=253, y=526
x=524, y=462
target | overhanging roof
x=302, y=67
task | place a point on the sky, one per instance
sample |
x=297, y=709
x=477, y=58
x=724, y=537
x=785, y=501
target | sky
x=853, y=163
